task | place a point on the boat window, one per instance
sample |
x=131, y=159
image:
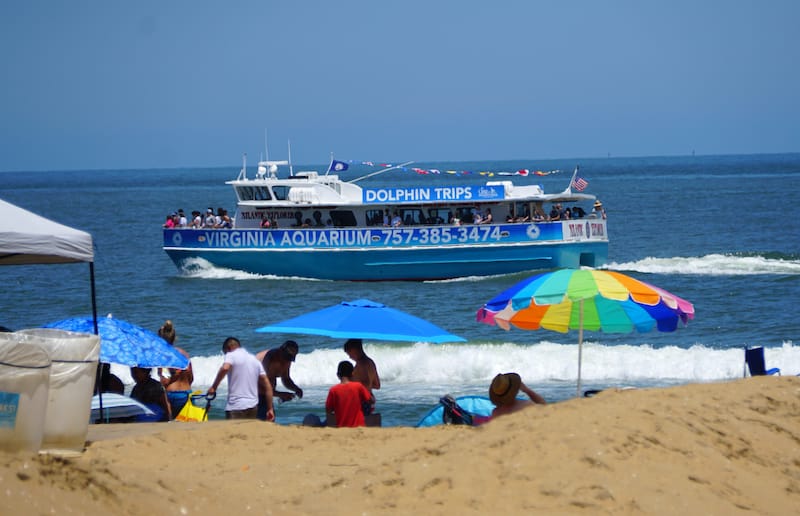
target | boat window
x=438, y=215
x=343, y=218
x=374, y=217
x=281, y=192
x=464, y=214
x=413, y=216
x=262, y=193
x=245, y=193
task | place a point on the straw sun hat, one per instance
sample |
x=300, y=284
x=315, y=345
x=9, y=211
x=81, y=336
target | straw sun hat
x=598, y=204
x=504, y=388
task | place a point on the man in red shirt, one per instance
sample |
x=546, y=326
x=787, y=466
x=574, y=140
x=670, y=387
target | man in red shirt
x=345, y=399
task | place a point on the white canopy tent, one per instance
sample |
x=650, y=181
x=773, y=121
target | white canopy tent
x=28, y=238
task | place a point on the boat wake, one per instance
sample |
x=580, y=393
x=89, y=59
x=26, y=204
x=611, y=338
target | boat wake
x=198, y=268
x=739, y=264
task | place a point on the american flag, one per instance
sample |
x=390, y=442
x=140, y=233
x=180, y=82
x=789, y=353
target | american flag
x=579, y=183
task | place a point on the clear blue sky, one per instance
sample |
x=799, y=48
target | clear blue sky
x=144, y=84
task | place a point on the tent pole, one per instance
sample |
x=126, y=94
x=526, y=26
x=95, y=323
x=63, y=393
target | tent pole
x=98, y=375
x=94, y=297
x=580, y=347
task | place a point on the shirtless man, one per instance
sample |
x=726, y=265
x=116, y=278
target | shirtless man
x=503, y=393
x=365, y=370
x=277, y=362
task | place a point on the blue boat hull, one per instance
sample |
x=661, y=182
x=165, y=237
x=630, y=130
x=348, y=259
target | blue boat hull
x=391, y=254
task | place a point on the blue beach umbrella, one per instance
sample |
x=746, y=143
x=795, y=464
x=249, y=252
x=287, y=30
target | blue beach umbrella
x=363, y=319
x=127, y=344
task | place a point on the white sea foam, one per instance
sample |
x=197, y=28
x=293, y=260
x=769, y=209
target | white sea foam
x=711, y=265
x=418, y=365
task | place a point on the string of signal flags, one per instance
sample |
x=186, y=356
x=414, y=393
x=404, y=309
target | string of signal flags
x=340, y=166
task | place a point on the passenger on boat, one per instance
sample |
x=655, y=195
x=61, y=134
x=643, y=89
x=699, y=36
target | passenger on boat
x=182, y=222
x=477, y=216
x=210, y=220
x=488, y=218
x=318, y=219
x=226, y=222
x=298, y=219
x=386, y=218
x=396, y=220
x=169, y=223
x=265, y=223
x=197, y=220
x=598, y=211
x=555, y=212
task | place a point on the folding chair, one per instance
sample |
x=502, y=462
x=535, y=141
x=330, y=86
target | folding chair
x=754, y=358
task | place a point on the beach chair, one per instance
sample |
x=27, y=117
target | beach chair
x=754, y=358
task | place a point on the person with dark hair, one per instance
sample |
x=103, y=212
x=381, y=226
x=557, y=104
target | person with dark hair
x=277, y=362
x=108, y=382
x=365, y=370
x=247, y=383
x=345, y=399
x=150, y=393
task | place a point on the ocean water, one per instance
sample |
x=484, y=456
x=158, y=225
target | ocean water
x=719, y=231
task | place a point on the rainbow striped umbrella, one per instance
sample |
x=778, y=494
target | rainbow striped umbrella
x=583, y=299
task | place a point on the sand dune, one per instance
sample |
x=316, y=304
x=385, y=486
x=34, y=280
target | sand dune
x=724, y=448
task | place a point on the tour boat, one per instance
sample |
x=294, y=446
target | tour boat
x=311, y=225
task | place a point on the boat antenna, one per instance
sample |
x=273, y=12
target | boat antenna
x=572, y=180
x=291, y=169
x=243, y=172
x=380, y=171
x=266, y=146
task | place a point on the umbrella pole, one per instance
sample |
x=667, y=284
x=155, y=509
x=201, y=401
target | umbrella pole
x=580, y=347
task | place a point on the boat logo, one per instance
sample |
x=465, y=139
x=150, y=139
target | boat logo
x=177, y=239
x=488, y=193
x=533, y=231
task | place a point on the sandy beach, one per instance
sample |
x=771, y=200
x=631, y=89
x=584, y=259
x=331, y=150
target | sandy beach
x=723, y=448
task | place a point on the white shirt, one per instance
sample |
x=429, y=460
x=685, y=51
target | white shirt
x=243, y=379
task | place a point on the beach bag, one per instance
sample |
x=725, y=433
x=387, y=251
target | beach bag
x=453, y=414
x=191, y=412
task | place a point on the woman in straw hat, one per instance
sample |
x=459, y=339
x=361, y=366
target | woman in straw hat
x=598, y=211
x=503, y=393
